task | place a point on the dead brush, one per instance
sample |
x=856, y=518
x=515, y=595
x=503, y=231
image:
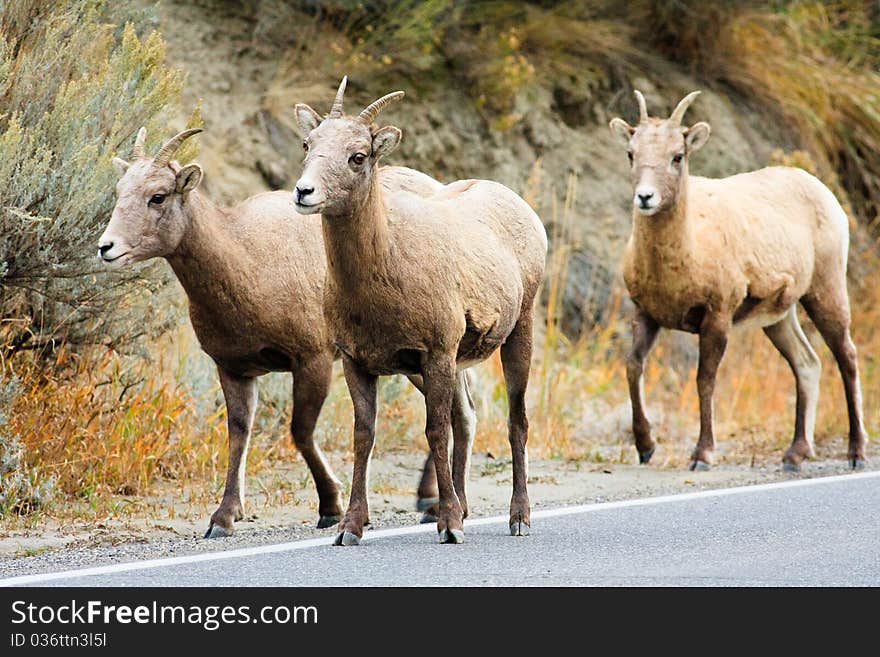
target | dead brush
x=106, y=427
x=814, y=65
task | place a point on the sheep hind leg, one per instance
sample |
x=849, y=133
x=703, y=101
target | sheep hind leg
x=830, y=313
x=311, y=382
x=439, y=376
x=427, y=496
x=240, y=394
x=788, y=337
x=516, y=355
x=464, y=425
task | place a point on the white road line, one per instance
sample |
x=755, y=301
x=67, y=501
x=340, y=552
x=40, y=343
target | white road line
x=419, y=529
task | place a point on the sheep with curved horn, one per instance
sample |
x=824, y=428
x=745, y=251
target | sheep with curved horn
x=706, y=256
x=422, y=286
x=254, y=277
x=170, y=147
x=369, y=114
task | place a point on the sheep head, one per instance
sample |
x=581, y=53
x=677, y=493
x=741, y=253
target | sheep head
x=658, y=151
x=341, y=154
x=148, y=218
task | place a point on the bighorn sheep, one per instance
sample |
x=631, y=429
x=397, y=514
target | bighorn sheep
x=254, y=276
x=420, y=286
x=707, y=255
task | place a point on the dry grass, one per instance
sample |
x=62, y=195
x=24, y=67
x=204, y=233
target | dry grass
x=784, y=61
x=813, y=65
x=105, y=428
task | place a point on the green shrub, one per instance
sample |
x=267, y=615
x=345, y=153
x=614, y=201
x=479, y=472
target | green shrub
x=74, y=89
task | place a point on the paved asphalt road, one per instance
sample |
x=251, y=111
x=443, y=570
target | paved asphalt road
x=815, y=532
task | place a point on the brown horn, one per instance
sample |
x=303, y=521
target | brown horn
x=643, y=106
x=336, y=109
x=170, y=147
x=371, y=111
x=678, y=113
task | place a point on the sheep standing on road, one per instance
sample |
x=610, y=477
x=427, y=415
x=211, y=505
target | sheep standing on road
x=424, y=286
x=708, y=255
x=254, y=277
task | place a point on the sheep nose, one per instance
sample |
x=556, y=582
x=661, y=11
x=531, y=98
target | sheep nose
x=103, y=248
x=644, y=198
x=303, y=191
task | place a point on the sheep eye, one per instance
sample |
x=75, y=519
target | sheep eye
x=677, y=157
x=157, y=199
x=358, y=158
x=629, y=154
x=305, y=147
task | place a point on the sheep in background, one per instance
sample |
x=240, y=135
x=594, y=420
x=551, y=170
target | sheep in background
x=708, y=255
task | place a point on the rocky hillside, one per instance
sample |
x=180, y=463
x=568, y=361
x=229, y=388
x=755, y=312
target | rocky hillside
x=249, y=64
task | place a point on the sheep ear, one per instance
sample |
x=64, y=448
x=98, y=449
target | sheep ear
x=307, y=118
x=697, y=135
x=121, y=165
x=385, y=141
x=188, y=178
x=621, y=128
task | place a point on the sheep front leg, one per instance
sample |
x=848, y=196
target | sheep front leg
x=362, y=387
x=713, y=342
x=644, y=333
x=438, y=373
x=240, y=394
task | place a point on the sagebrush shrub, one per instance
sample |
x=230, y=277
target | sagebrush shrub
x=74, y=89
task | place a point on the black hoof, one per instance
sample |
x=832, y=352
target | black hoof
x=427, y=518
x=699, y=466
x=791, y=467
x=858, y=464
x=452, y=536
x=645, y=457
x=347, y=538
x=328, y=521
x=216, y=531
x=425, y=503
